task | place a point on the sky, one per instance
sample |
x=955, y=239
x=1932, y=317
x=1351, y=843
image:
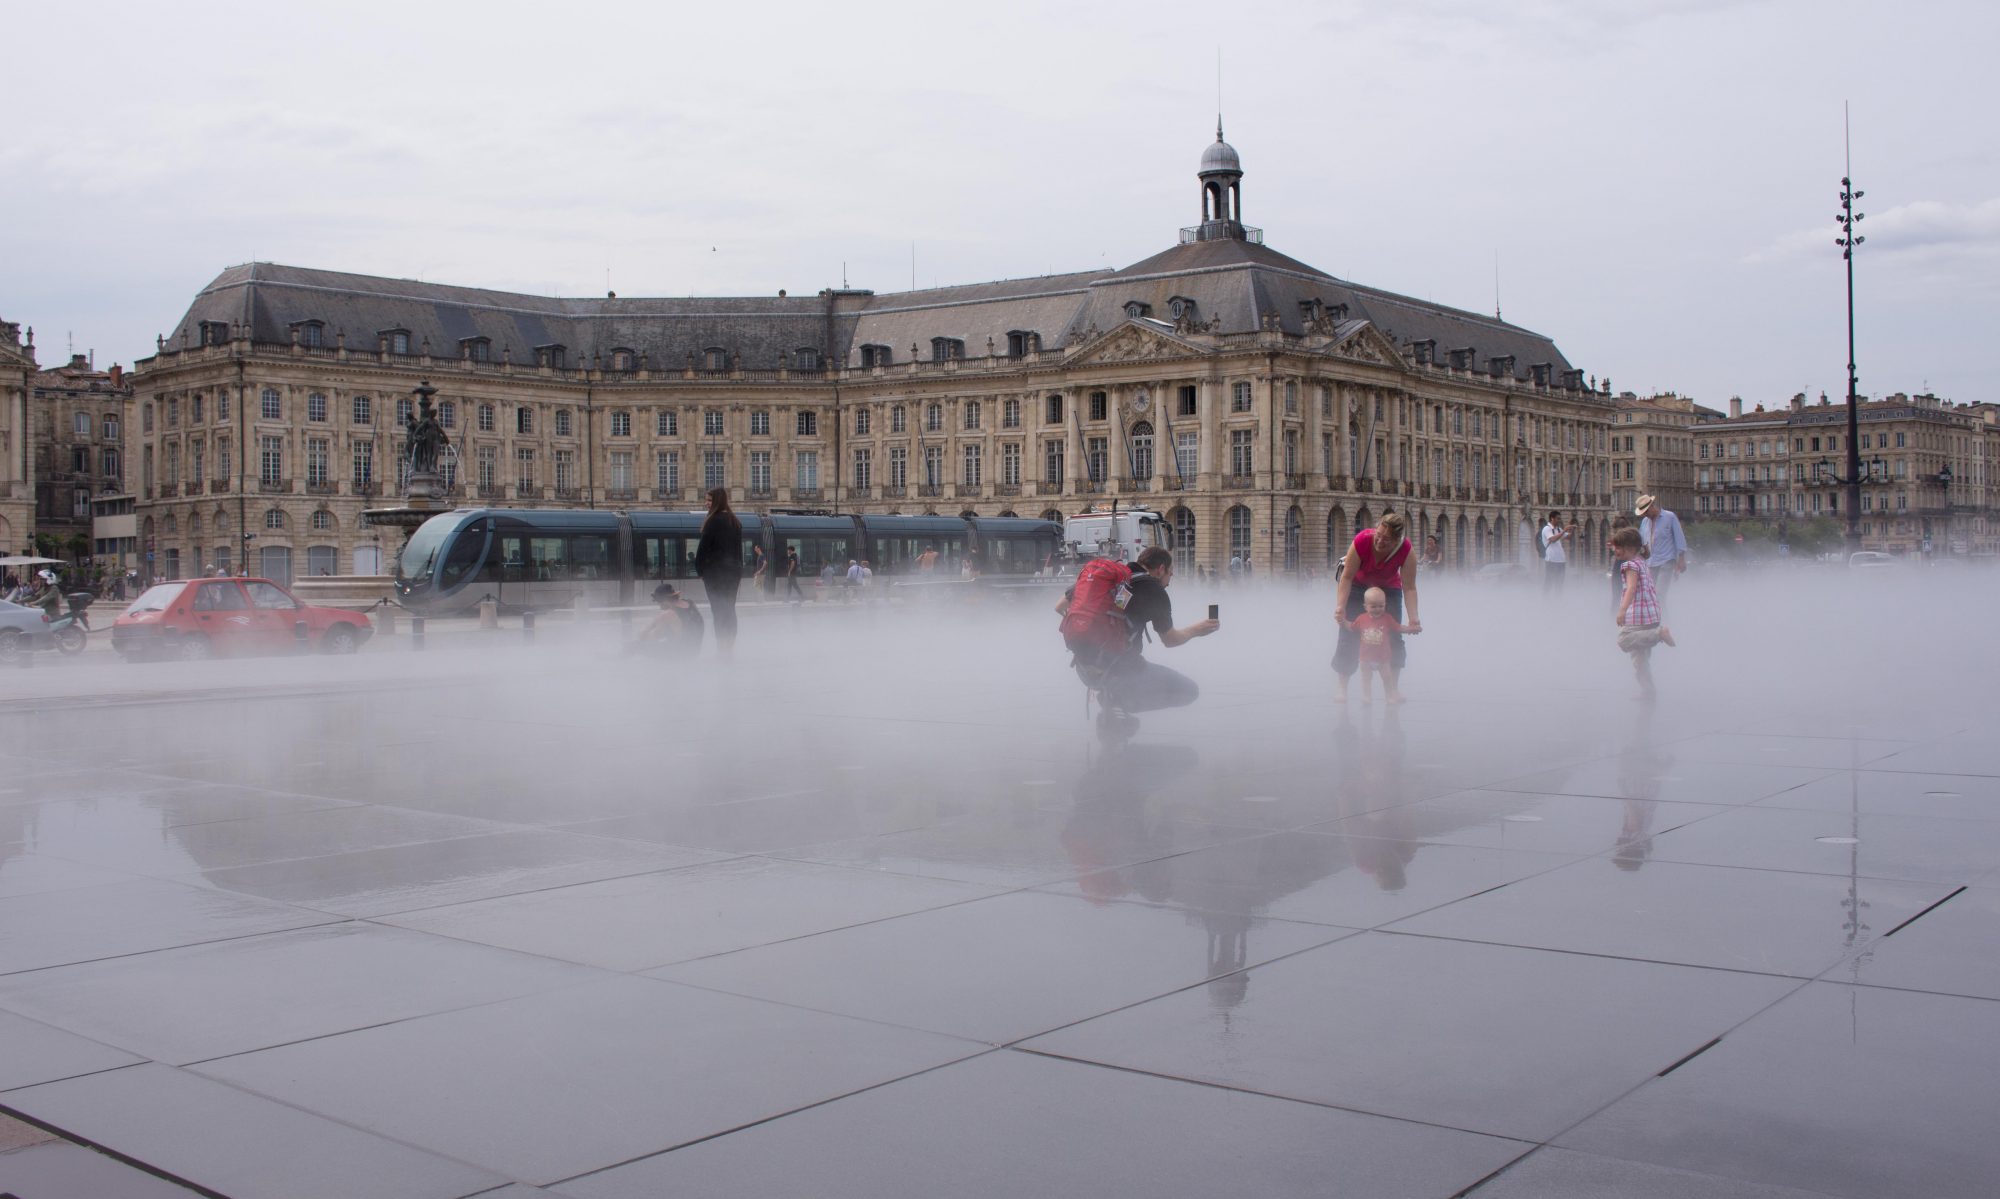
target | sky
x=1652, y=183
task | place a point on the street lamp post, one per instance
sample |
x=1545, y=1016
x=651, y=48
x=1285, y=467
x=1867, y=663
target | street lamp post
x=1847, y=241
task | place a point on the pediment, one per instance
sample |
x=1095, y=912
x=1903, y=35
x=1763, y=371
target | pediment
x=1361, y=341
x=1133, y=341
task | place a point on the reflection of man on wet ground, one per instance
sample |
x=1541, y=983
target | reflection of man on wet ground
x=676, y=632
x=1125, y=681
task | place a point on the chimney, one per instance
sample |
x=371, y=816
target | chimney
x=1735, y=407
x=1798, y=401
x=117, y=376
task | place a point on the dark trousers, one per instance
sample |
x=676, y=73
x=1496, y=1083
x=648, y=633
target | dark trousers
x=1137, y=685
x=1347, y=652
x=722, y=606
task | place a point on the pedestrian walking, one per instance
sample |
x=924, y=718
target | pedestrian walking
x=1665, y=543
x=718, y=559
x=792, y=591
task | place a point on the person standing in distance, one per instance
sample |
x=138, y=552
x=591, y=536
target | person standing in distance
x=718, y=559
x=1555, y=561
x=1666, y=544
x=1379, y=557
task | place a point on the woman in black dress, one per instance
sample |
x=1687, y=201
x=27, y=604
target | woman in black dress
x=718, y=559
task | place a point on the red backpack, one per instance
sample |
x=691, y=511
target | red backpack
x=1094, y=628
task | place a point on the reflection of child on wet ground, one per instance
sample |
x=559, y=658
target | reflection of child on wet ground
x=1639, y=627
x=1374, y=626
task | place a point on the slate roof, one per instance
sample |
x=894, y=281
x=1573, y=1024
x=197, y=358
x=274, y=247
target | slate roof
x=1232, y=282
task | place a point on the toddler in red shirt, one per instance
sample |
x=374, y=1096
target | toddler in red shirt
x=1374, y=626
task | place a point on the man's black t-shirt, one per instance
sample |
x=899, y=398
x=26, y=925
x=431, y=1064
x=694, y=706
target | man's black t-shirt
x=1149, y=605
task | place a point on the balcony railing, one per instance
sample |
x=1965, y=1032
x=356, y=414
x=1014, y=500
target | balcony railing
x=1047, y=488
x=1005, y=489
x=894, y=491
x=1135, y=484
x=169, y=490
x=194, y=487
x=760, y=493
x=1295, y=481
x=967, y=491
x=367, y=487
x=274, y=486
x=492, y=491
x=1239, y=482
x=930, y=490
x=569, y=493
x=1090, y=486
x=622, y=494
x=1174, y=483
x=320, y=487
x=806, y=493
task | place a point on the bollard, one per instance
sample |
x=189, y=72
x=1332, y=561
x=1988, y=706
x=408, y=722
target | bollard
x=489, y=614
x=301, y=635
x=528, y=626
x=385, y=623
x=416, y=632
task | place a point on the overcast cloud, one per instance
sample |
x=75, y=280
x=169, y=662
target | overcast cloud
x=1657, y=178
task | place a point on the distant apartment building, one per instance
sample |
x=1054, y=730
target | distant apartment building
x=80, y=417
x=17, y=374
x=1928, y=465
x=1653, y=449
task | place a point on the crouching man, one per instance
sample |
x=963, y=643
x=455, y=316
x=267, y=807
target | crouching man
x=1105, y=618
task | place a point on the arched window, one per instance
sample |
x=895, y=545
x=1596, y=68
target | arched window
x=1142, y=451
x=1053, y=514
x=1239, y=530
x=194, y=524
x=171, y=526
x=1183, y=524
x=222, y=520
x=322, y=520
x=274, y=519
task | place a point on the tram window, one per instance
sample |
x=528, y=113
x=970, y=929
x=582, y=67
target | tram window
x=1011, y=556
x=512, y=558
x=668, y=557
x=590, y=556
x=464, y=555
x=549, y=557
x=815, y=552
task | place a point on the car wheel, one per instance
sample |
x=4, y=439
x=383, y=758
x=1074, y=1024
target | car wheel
x=12, y=645
x=71, y=640
x=195, y=648
x=340, y=639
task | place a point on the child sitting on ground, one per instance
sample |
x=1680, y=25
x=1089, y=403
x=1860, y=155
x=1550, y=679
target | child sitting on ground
x=1374, y=626
x=1639, y=625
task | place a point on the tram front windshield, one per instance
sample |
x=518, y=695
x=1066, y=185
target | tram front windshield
x=420, y=555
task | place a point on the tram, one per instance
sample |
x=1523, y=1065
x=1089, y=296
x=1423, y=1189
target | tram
x=543, y=559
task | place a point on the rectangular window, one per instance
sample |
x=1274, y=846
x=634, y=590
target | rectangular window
x=864, y=477
x=897, y=421
x=808, y=423
x=1291, y=398
x=621, y=424
x=108, y=461
x=1186, y=454
x=760, y=424
x=524, y=467
x=621, y=470
x=1096, y=458
x=1010, y=414
x=565, y=461
x=1052, y=462
x=222, y=405
x=318, y=454
x=489, y=467
x=79, y=424
x=1239, y=398
x=486, y=419
x=1010, y=464
x=1187, y=401
x=364, y=463
x=933, y=466
x=364, y=412
x=316, y=408
x=405, y=412
x=861, y=421
x=1326, y=455
x=1098, y=405
x=1326, y=408
x=899, y=467
x=969, y=468
x=711, y=424
x=666, y=423
x=807, y=470
x=1241, y=457
x=760, y=471
x=272, y=407
x=667, y=471
x=524, y=420
x=1053, y=415
x=271, y=459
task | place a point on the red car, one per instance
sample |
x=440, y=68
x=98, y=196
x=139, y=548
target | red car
x=201, y=618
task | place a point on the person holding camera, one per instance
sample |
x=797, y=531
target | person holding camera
x=1555, y=558
x=1105, y=620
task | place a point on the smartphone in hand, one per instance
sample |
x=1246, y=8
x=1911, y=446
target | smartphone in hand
x=1215, y=611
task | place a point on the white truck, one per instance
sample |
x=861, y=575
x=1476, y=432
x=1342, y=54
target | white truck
x=1108, y=531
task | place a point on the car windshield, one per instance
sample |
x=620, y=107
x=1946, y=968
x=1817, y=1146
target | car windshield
x=155, y=599
x=420, y=555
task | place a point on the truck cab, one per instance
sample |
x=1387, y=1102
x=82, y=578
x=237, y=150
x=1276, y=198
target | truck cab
x=1113, y=532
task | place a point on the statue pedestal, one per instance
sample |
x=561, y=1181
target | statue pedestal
x=425, y=490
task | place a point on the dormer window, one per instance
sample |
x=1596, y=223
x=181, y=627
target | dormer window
x=805, y=358
x=475, y=349
x=396, y=340
x=1311, y=310
x=623, y=360
x=874, y=356
x=555, y=357
x=1501, y=366
x=1572, y=379
x=1541, y=372
x=1461, y=360
x=1134, y=309
x=1338, y=312
x=1021, y=343
x=947, y=349
x=1425, y=351
x=1181, y=307
x=215, y=333
x=311, y=334
x=715, y=359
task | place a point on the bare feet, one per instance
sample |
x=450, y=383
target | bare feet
x=1394, y=699
x=1340, y=697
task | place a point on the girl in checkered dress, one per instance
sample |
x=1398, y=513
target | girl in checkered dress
x=1639, y=627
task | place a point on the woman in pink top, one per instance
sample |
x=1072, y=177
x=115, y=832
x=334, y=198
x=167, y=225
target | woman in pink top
x=1379, y=557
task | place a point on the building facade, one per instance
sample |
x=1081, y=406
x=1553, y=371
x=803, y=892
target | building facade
x=1928, y=468
x=17, y=496
x=1652, y=450
x=1261, y=405
x=79, y=415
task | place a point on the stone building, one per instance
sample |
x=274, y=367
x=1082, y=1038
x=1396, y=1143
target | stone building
x=79, y=415
x=1652, y=450
x=1260, y=404
x=17, y=498
x=1929, y=470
